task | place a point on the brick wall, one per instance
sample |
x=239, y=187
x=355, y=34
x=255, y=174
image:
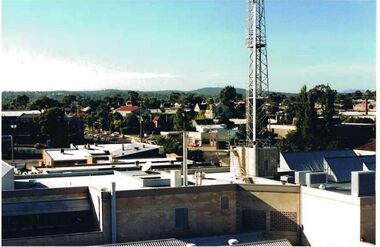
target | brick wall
x=151, y=215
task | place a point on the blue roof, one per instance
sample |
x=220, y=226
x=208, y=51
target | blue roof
x=342, y=167
x=370, y=165
x=312, y=161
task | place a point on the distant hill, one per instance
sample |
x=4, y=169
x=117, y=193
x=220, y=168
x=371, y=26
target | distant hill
x=205, y=92
x=351, y=91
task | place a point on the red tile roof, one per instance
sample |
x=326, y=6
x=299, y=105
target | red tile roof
x=127, y=108
x=370, y=146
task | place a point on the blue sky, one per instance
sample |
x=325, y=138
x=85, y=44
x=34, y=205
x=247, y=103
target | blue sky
x=184, y=44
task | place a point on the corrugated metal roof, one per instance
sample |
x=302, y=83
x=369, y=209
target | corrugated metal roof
x=313, y=161
x=371, y=166
x=245, y=239
x=342, y=167
x=268, y=243
x=159, y=242
x=223, y=239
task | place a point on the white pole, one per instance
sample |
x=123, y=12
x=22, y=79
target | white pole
x=184, y=158
x=113, y=213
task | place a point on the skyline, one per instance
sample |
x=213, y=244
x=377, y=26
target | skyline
x=169, y=45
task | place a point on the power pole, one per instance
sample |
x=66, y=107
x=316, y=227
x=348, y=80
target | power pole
x=258, y=85
x=184, y=155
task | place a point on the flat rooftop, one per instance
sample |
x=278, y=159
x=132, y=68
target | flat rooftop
x=125, y=180
x=122, y=149
x=81, y=152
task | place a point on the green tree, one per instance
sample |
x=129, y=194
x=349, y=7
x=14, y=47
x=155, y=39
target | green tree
x=170, y=144
x=314, y=132
x=133, y=97
x=182, y=119
x=43, y=103
x=132, y=124
x=90, y=120
x=276, y=98
x=20, y=102
x=54, y=126
x=117, y=122
x=103, y=117
x=357, y=94
x=227, y=95
x=174, y=97
x=152, y=103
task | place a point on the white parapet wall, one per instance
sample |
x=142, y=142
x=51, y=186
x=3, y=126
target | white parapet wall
x=334, y=219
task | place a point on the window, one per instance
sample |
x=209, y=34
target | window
x=181, y=216
x=224, y=202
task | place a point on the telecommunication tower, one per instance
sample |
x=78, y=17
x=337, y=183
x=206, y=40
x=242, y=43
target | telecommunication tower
x=258, y=85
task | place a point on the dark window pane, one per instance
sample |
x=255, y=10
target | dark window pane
x=224, y=203
x=181, y=218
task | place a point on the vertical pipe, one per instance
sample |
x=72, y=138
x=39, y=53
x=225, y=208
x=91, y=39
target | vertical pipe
x=12, y=150
x=141, y=131
x=113, y=212
x=184, y=158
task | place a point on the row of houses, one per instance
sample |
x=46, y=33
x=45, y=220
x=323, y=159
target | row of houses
x=208, y=111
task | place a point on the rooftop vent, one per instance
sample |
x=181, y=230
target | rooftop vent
x=363, y=183
x=233, y=242
x=322, y=186
x=62, y=150
x=315, y=179
x=300, y=177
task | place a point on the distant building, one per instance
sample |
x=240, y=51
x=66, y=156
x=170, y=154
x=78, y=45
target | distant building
x=200, y=108
x=364, y=106
x=281, y=130
x=366, y=149
x=209, y=134
x=128, y=109
x=23, y=127
x=97, y=154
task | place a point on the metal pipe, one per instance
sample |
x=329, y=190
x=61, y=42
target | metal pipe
x=12, y=150
x=113, y=212
x=184, y=158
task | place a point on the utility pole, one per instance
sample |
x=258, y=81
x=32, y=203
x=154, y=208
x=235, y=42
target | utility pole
x=141, y=122
x=184, y=155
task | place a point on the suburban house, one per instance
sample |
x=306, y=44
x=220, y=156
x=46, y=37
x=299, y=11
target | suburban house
x=200, y=108
x=127, y=109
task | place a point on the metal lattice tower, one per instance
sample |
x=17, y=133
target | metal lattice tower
x=258, y=86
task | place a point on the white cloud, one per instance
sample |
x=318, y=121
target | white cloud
x=25, y=71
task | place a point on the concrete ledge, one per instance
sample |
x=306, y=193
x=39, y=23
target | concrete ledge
x=37, y=194
x=177, y=190
x=79, y=239
x=269, y=188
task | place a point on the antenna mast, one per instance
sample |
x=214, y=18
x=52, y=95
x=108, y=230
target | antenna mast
x=258, y=85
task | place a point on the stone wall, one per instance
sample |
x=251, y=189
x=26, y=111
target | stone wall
x=150, y=214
